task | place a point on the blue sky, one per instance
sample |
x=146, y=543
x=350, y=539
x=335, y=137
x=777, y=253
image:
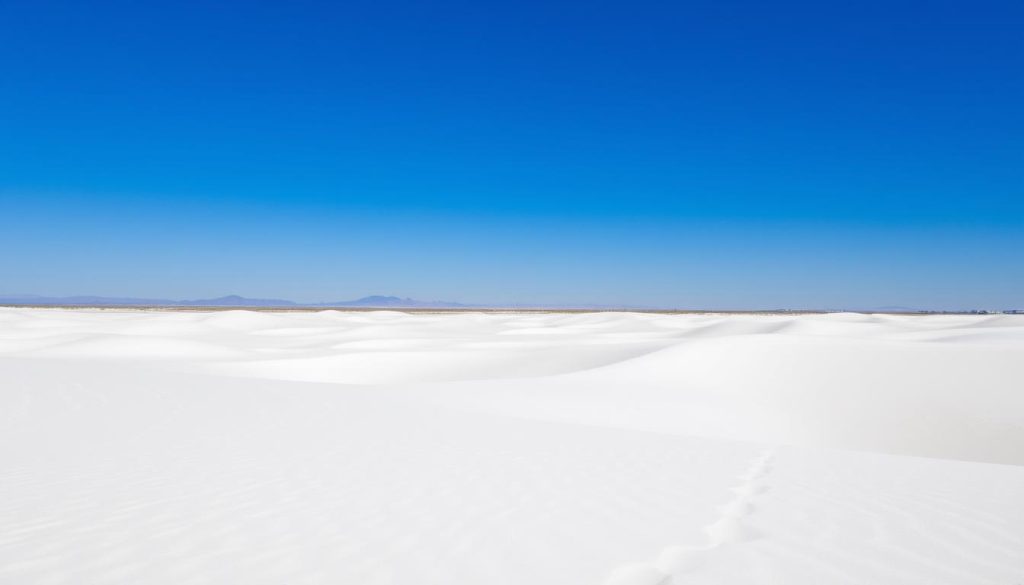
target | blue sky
x=684, y=154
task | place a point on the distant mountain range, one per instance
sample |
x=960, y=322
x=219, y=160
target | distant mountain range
x=375, y=301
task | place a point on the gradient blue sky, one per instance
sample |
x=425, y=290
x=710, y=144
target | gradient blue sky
x=684, y=154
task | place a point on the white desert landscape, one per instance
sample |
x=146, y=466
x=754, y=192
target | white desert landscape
x=469, y=448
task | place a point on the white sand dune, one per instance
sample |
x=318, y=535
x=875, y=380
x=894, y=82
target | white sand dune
x=630, y=449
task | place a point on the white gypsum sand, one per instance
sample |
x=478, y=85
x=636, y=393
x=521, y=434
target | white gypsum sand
x=541, y=449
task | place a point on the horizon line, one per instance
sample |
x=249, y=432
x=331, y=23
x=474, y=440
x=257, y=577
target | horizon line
x=385, y=302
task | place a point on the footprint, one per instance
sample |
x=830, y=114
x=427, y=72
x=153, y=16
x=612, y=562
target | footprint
x=737, y=508
x=638, y=574
x=728, y=529
x=678, y=559
x=749, y=490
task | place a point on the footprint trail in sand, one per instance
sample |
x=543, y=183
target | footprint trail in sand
x=730, y=528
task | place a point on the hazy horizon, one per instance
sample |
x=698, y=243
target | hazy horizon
x=388, y=300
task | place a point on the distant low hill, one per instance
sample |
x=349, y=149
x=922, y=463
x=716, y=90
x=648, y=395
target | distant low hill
x=378, y=301
x=374, y=301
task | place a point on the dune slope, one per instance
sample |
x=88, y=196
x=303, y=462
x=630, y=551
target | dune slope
x=630, y=449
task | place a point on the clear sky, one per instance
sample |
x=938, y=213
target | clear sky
x=684, y=154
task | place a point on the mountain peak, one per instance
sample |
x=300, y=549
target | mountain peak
x=387, y=301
